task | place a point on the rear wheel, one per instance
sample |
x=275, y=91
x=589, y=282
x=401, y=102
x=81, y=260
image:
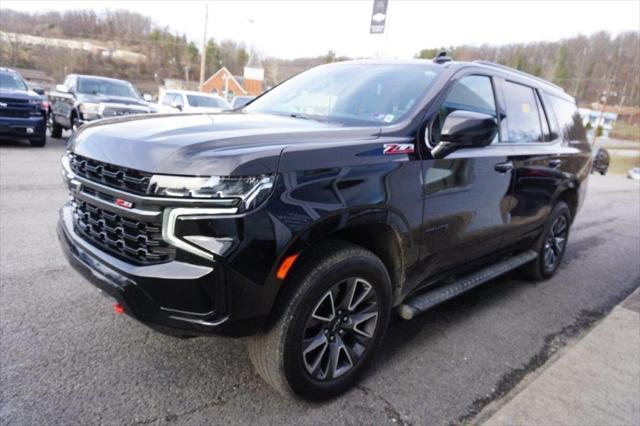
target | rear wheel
x=330, y=327
x=551, y=244
x=56, y=129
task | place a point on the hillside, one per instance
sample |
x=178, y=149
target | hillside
x=129, y=45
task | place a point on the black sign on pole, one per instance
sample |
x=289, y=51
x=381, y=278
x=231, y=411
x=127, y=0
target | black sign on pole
x=379, y=16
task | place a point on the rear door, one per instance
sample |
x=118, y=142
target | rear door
x=537, y=159
x=466, y=192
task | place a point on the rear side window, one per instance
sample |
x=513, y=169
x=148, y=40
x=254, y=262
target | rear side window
x=471, y=93
x=523, y=116
x=569, y=120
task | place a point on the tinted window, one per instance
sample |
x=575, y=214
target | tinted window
x=98, y=86
x=206, y=102
x=9, y=80
x=569, y=120
x=544, y=118
x=357, y=94
x=523, y=116
x=472, y=93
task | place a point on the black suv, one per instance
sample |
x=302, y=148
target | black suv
x=303, y=220
x=84, y=98
x=23, y=112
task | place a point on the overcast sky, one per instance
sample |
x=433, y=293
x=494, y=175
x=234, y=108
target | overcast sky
x=291, y=29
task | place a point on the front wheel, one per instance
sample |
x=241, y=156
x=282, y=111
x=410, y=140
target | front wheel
x=329, y=328
x=551, y=244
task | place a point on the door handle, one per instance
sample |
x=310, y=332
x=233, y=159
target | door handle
x=554, y=164
x=504, y=167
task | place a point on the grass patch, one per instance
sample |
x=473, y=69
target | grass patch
x=622, y=130
x=620, y=165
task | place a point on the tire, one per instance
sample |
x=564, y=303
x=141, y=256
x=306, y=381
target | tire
x=56, y=129
x=540, y=268
x=324, y=281
x=40, y=142
x=74, y=123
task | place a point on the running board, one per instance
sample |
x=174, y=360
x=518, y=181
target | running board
x=422, y=302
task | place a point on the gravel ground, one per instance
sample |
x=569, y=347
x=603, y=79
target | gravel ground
x=65, y=357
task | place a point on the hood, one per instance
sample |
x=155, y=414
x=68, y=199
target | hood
x=224, y=144
x=98, y=98
x=19, y=94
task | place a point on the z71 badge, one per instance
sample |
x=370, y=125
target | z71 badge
x=397, y=148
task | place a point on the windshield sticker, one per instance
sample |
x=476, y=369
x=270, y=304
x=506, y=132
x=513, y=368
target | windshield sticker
x=387, y=118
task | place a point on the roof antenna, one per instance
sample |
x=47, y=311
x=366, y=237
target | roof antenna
x=442, y=58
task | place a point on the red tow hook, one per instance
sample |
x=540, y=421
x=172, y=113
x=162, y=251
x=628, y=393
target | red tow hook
x=118, y=308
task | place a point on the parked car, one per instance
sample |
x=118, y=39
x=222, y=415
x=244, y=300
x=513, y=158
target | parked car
x=23, y=113
x=347, y=191
x=634, y=173
x=601, y=160
x=240, y=101
x=191, y=101
x=84, y=98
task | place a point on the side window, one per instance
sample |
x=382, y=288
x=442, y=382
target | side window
x=568, y=117
x=167, y=99
x=523, y=116
x=544, y=120
x=70, y=82
x=471, y=93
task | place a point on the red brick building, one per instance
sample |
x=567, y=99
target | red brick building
x=251, y=83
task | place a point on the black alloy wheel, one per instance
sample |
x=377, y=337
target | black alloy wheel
x=555, y=242
x=340, y=329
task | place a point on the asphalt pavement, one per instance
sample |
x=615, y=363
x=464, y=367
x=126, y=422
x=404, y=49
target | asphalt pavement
x=66, y=358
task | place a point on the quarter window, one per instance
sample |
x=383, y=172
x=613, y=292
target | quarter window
x=569, y=120
x=471, y=93
x=523, y=116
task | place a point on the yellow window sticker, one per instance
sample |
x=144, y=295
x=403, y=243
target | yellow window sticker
x=526, y=108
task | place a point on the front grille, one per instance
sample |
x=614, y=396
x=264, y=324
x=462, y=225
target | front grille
x=14, y=101
x=15, y=113
x=117, y=112
x=118, y=177
x=133, y=241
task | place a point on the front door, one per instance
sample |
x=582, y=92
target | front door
x=466, y=193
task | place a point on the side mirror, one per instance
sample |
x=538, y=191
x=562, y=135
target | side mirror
x=62, y=88
x=176, y=105
x=465, y=129
x=147, y=97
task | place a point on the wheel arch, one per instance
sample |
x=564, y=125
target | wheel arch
x=382, y=231
x=570, y=194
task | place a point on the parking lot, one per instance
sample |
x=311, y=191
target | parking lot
x=67, y=358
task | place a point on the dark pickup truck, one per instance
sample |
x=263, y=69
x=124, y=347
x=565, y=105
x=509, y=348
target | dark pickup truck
x=304, y=219
x=23, y=112
x=84, y=98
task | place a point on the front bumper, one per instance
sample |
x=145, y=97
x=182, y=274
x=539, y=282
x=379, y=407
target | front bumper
x=175, y=298
x=34, y=127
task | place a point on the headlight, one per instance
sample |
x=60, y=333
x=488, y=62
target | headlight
x=250, y=190
x=89, y=108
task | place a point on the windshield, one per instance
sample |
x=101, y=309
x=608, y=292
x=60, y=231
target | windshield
x=97, y=86
x=357, y=94
x=206, y=102
x=9, y=80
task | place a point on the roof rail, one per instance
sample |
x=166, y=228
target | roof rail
x=515, y=71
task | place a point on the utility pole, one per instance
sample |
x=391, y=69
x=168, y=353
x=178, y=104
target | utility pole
x=203, y=57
